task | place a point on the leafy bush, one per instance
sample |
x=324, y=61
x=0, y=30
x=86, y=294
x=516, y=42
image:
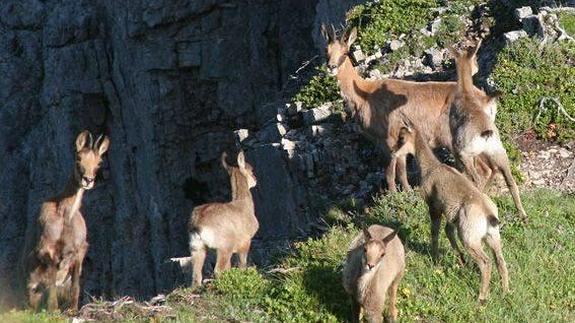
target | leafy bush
x=384, y=20
x=321, y=88
x=567, y=21
x=526, y=74
x=241, y=285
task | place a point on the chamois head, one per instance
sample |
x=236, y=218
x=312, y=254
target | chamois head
x=374, y=249
x=246, y=170
x=405, y=142
x=88, y=158
x=467, y=57
x=337, y=49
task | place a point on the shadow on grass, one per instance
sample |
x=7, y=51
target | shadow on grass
x=324, y=282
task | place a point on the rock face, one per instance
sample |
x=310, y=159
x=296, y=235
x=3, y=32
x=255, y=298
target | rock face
x=169, y=82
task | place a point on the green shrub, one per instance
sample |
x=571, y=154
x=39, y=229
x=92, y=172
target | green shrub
x=321, y=88
x=567, y=21
x=241, y=285
x=525, y=73
x=385, y=20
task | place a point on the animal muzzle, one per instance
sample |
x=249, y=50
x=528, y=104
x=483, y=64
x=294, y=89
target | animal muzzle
x=87, y=182
x=332, y=69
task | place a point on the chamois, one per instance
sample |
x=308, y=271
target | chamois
x=373, y=268
x=467, y=210
x=55, y=264
x=226, y=227
x=377, y=104
x=473, y=129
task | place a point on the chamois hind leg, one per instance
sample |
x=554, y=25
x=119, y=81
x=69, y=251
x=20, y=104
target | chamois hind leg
x=468, y=163
x=223, y=261
x=243, y=254
x=487, y=172
x=493, y=240
x=401, y=168
x=502, y=162
x=198, y=252
x=476, y=251
x=450, y=233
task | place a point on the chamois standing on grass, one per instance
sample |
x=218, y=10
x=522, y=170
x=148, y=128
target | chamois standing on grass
x=226, y=227
x=467, y=210
x=55, y=264
x=473, y=129
x=373, y=268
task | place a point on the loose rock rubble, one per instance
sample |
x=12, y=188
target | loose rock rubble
x=551, y=167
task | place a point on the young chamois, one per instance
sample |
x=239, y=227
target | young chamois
x=55, y=264
x=373, y=268
x=467, y=210
x=377, y=104
x=473, y=130
x=226, y=227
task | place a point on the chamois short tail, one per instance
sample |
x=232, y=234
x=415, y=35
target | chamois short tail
x=493, y=220
x=487, y=133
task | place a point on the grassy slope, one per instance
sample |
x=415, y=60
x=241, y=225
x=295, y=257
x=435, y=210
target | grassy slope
x=540, y=257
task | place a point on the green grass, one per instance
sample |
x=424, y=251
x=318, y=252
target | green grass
x=30, y=317
x=567, y=21
x=540, y=257
x=526, y=74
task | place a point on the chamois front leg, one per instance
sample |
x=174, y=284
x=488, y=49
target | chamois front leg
x=435, y=217
x=390, y=174
x=355, y=311
x=52, y=291
x=393, y=299
x=243, y=252
x=76, y=273
x=34, y=292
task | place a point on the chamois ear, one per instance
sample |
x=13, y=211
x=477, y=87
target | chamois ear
x=390, y=236
x=352, y=37
x=472, y=51
x=102, y=145
x=241, y=159
x=366, y=234
x=83, y=139
x=326, y=34
x=224, y=160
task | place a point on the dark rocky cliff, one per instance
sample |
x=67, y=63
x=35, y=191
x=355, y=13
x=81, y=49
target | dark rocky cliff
x=168, y=81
